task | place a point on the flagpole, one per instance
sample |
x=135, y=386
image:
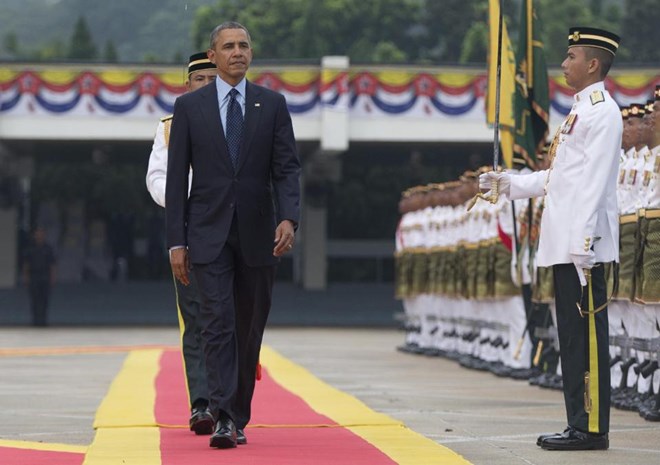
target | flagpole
x=494, y=192
x=498, y=78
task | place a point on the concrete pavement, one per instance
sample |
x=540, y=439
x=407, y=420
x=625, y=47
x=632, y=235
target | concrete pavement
x=488, y=420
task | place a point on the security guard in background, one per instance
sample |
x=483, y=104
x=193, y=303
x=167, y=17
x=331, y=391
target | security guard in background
x=39, y=275
x=579, y=233
x=200, y=73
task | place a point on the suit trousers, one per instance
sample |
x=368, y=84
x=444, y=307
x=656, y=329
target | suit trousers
x=39, y=295
x=188, y=304
x=236, y=300
x=584, y=347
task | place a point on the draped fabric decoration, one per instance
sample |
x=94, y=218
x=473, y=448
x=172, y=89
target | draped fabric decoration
x=367, y=92
x=624, y=88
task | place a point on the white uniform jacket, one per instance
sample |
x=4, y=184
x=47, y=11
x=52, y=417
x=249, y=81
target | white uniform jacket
x=652, y=187
x=157, y=170
x=580, y=187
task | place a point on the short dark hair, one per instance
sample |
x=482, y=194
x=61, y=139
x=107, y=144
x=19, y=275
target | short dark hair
x=227, y=25
x=604, y=57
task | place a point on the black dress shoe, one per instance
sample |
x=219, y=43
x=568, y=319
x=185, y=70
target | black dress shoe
x=576, y=440
x=240, y=437
x=201, y=421
x=224, y=436
x=545, y=436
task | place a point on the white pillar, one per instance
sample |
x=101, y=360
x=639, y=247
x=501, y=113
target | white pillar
x=321, y=167
x=334, y=103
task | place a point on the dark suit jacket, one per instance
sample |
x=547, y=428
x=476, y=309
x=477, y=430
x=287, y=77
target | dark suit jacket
x=264, y=191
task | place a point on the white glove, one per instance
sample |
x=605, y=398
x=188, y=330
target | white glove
x=515, y=278
x=486, y=181
x=583, y=262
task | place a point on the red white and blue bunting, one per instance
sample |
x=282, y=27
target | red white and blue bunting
x=365, y=92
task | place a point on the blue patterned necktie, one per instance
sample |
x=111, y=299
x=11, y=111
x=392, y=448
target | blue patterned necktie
x=234, y=127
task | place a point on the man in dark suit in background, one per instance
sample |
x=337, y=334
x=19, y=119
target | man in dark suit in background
x=39, y=275
x=240, y=217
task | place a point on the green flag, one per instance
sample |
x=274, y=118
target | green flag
x=532, y=101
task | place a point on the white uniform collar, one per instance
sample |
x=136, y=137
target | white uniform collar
x=584, y=93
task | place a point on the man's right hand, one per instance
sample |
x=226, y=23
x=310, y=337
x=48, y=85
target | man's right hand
x=487, y=179
x=180, y=264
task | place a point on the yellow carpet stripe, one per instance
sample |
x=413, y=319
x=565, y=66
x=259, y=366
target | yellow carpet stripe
x=132, y=394
x=390, y=436
x=125, y=446
x=406, y=447
x=130, y=401
x=326, y=400
x=50, y=447
x=594, y=415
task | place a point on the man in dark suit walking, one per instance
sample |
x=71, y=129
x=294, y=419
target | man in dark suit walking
x=240, y=217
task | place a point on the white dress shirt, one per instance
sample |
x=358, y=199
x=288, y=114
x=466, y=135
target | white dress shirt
x=223, y=98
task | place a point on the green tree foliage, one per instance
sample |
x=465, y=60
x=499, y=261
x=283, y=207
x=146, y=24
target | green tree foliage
x=641, y=36
x=559, y=15
x=55, y=50
x=159, y=27
x=414, y=31
x=178, y=58
x=367, y=31
x=82, y=45
x=475, y=44
x=150, y=57
x=10, y=44
x=446, y=23
x=556, y=25
x=110, y=52
x=388, y=52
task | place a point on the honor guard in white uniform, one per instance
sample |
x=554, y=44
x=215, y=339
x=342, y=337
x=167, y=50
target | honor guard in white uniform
x=628, y=314
x=640, y=155
x=617, y=309
x=650, y=287
x=580, y=233
x=625, y=312
x=647, y=270
x=425, y=299
x=200, y=73
x=409, y=248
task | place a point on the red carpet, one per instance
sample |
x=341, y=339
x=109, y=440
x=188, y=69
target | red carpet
x=292, y=433
x=143, y=421
x=16, y=456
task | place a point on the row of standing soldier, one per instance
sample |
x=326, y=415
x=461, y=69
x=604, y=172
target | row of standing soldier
x=472, y=292
x=635, y=310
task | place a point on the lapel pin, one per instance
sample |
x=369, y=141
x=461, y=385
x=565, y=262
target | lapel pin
x=257, y=104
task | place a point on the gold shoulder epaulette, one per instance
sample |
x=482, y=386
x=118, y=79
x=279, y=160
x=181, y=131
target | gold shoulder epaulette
x=167, y=118
x=167, y=124
x=597, y=97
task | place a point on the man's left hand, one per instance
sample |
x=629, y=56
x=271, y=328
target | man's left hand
x=583, y=262
x=284, y=238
